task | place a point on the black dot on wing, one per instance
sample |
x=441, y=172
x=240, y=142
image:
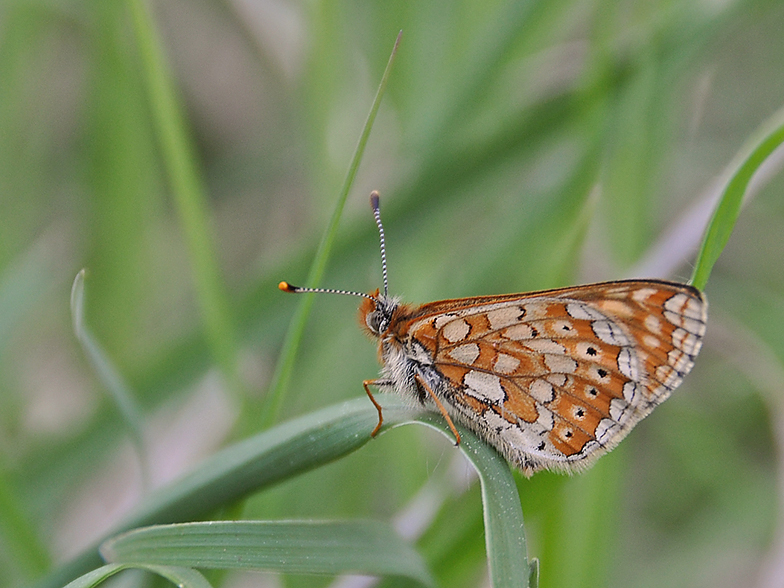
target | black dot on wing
x=568, y=434
x=540, y=447
x=591, y=351
x=602, y=372
x=534, y=332
x=579, y=413
x=593, y=391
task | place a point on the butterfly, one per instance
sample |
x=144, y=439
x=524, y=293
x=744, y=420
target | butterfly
x=552, y=379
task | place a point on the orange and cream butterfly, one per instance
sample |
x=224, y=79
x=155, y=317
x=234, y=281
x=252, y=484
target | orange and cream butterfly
x=551, y=379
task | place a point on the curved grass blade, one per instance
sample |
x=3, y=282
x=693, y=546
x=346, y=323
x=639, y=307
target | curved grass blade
x=119, y=392
x=533, y=573
x=299, y=547
x=507, y=555
x=282, y=375
x=182, y=577
x=258, y=462
x=95, y=577
x=303, y=444
x=760, y=146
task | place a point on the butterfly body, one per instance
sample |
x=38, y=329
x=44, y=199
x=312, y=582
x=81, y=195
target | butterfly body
x=551, y=379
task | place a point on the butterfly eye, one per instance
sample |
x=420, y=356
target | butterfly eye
x=379, y=316
x=373, y=321
x=377, y=321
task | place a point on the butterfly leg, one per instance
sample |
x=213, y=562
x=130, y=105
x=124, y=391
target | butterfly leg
x=367, y=383
x=440, y=406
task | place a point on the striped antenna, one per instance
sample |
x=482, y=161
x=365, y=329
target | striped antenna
x=374, y=197
x=286, y=287
x=377, y=215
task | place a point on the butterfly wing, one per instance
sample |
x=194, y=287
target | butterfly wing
x=554, y=379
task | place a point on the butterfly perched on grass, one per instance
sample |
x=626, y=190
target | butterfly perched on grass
x=551, y=379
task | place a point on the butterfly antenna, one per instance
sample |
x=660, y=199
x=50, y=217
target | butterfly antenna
x=286, y=287
x=374, y=198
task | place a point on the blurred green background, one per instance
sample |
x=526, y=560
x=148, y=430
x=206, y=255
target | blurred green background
x=520, y=145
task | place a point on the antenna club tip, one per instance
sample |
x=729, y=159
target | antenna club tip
x=374, y=197
x=286, y=287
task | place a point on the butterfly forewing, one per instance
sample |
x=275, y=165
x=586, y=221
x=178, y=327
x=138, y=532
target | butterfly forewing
x=554, y=379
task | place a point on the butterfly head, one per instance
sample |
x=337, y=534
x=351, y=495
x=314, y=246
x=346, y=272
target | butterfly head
x=376, y=312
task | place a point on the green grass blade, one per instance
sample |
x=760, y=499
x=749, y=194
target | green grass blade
x=282, y=375
x=95, y=577
x=533, y=575
x=309, y=442
x=299, y=547
x=119, y=392
x=182, y=577
x=765, y=141
x=503, y=517
x=189, y=194
x=179, y=576
x=253, y=464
